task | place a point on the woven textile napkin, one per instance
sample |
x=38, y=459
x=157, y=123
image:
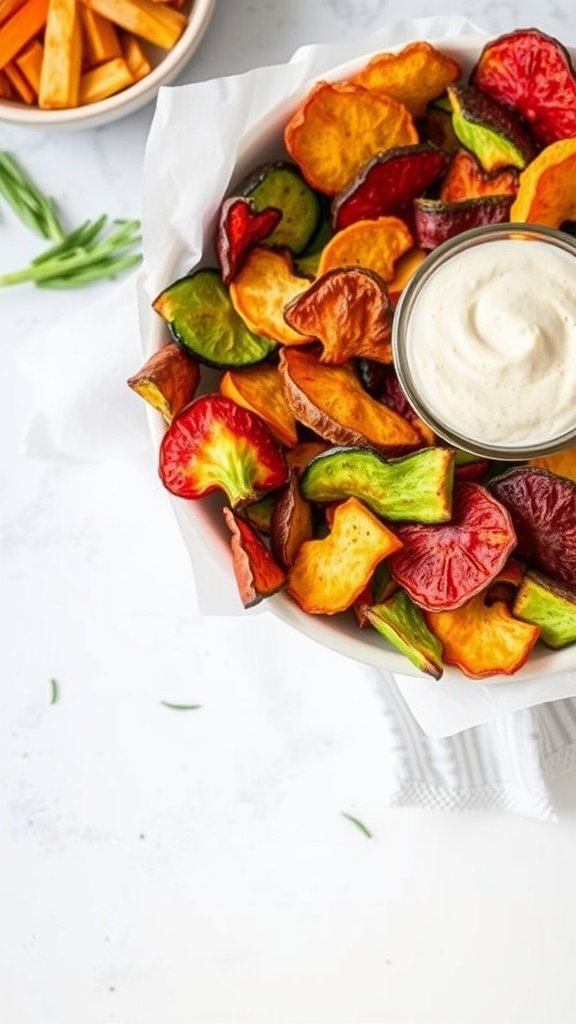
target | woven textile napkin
x=505, y=764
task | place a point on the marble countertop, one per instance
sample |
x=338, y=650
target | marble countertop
x=195, y=867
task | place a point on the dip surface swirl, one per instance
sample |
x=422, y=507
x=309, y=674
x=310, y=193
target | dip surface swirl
x=491, y=342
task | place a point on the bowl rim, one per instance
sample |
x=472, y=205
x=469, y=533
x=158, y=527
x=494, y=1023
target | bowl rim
x=193, y=521
x=129, y=99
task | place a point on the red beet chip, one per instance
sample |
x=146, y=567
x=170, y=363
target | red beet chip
x=532, y=73
x=388, y=184
x=240, y=228
x=257, y=573
x=443, y=565
x=436, y=221
x=215, y=445
x=543, y=510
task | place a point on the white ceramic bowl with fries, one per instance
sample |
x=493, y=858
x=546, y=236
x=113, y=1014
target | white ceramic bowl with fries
x=201, y=521
x=165, y=65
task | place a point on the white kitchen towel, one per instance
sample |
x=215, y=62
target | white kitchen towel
x=505, y=764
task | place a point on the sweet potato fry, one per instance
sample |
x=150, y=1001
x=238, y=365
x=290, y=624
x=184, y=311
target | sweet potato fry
x=414, y=76
x=339, y=127
x=371, y=244
x=158, y=23
x=135, y=57
x=101, y=42
x=60, y=75
x=105, y=80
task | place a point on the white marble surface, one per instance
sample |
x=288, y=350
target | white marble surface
x=194, y=867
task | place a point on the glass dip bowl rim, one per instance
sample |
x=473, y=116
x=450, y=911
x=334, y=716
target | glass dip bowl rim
x=463, y=242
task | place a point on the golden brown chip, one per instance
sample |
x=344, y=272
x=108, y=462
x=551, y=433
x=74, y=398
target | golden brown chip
x=467, y=179
x=339, y=127
x=167, y=381
x=261, y=290
x=328, y=575
x=348, y=310
x=483, y=640
x=416, y=75
x=258, y=389
x=547, y=192
x=371, y=244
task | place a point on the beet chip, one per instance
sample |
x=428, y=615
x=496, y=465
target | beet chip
x=543, y=510
x=240, y=227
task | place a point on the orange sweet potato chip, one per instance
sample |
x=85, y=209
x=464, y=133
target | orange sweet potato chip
x=339, y=127
x=258, y=389
x=348, y=310
x=466, y=179
x=561, y=463
x=261, y=290
x=483, y=640
x=407, y=266
x=372, y=244
x=327, y=575
x=332, y=402
x=291, y=523
x=547, y=191
x=416, y=75
x=168, y=380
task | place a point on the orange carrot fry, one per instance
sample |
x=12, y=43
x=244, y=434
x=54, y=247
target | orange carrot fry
x=20, y=84
x=6, y=90
x=135, y=57
x=8, y=7
x=29, y=61
x=20, y=28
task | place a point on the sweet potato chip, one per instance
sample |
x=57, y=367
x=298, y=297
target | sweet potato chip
x=339, y=127
x=547, y=192
x=257, y=574
x=259, y=390
x=167, y=380
x=262, y=288
x=407, y=266
x=483, y=640
x=372, y=244
x=466, y=179
x=561, y=463
x=348, y=310
x=327, y=575
x=331, y=401
x=414, y=76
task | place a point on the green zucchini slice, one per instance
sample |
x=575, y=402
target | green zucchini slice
x=201, y=318
x=281, y=185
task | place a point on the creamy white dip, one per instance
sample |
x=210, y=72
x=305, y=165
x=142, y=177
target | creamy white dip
x=491, y=342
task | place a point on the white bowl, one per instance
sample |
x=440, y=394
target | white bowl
x=202, y=519
x=166, y=64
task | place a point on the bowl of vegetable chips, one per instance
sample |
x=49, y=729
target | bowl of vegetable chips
x=283, y=432
x=80, y=64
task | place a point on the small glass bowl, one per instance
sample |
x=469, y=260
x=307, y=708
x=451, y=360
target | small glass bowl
x=464, y=242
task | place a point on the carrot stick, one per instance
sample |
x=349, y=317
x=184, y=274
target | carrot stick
x=29, y=61
x=19, y=82
x=155, y=22
x=104, y=80
x=101, y=41
x=60, y=77
x=20, y=28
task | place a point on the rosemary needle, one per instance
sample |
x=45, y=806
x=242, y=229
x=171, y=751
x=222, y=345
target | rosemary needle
x=180, y=707
x=93, y=251
x=359, y=824
x=34, y=209
x=53, y=691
